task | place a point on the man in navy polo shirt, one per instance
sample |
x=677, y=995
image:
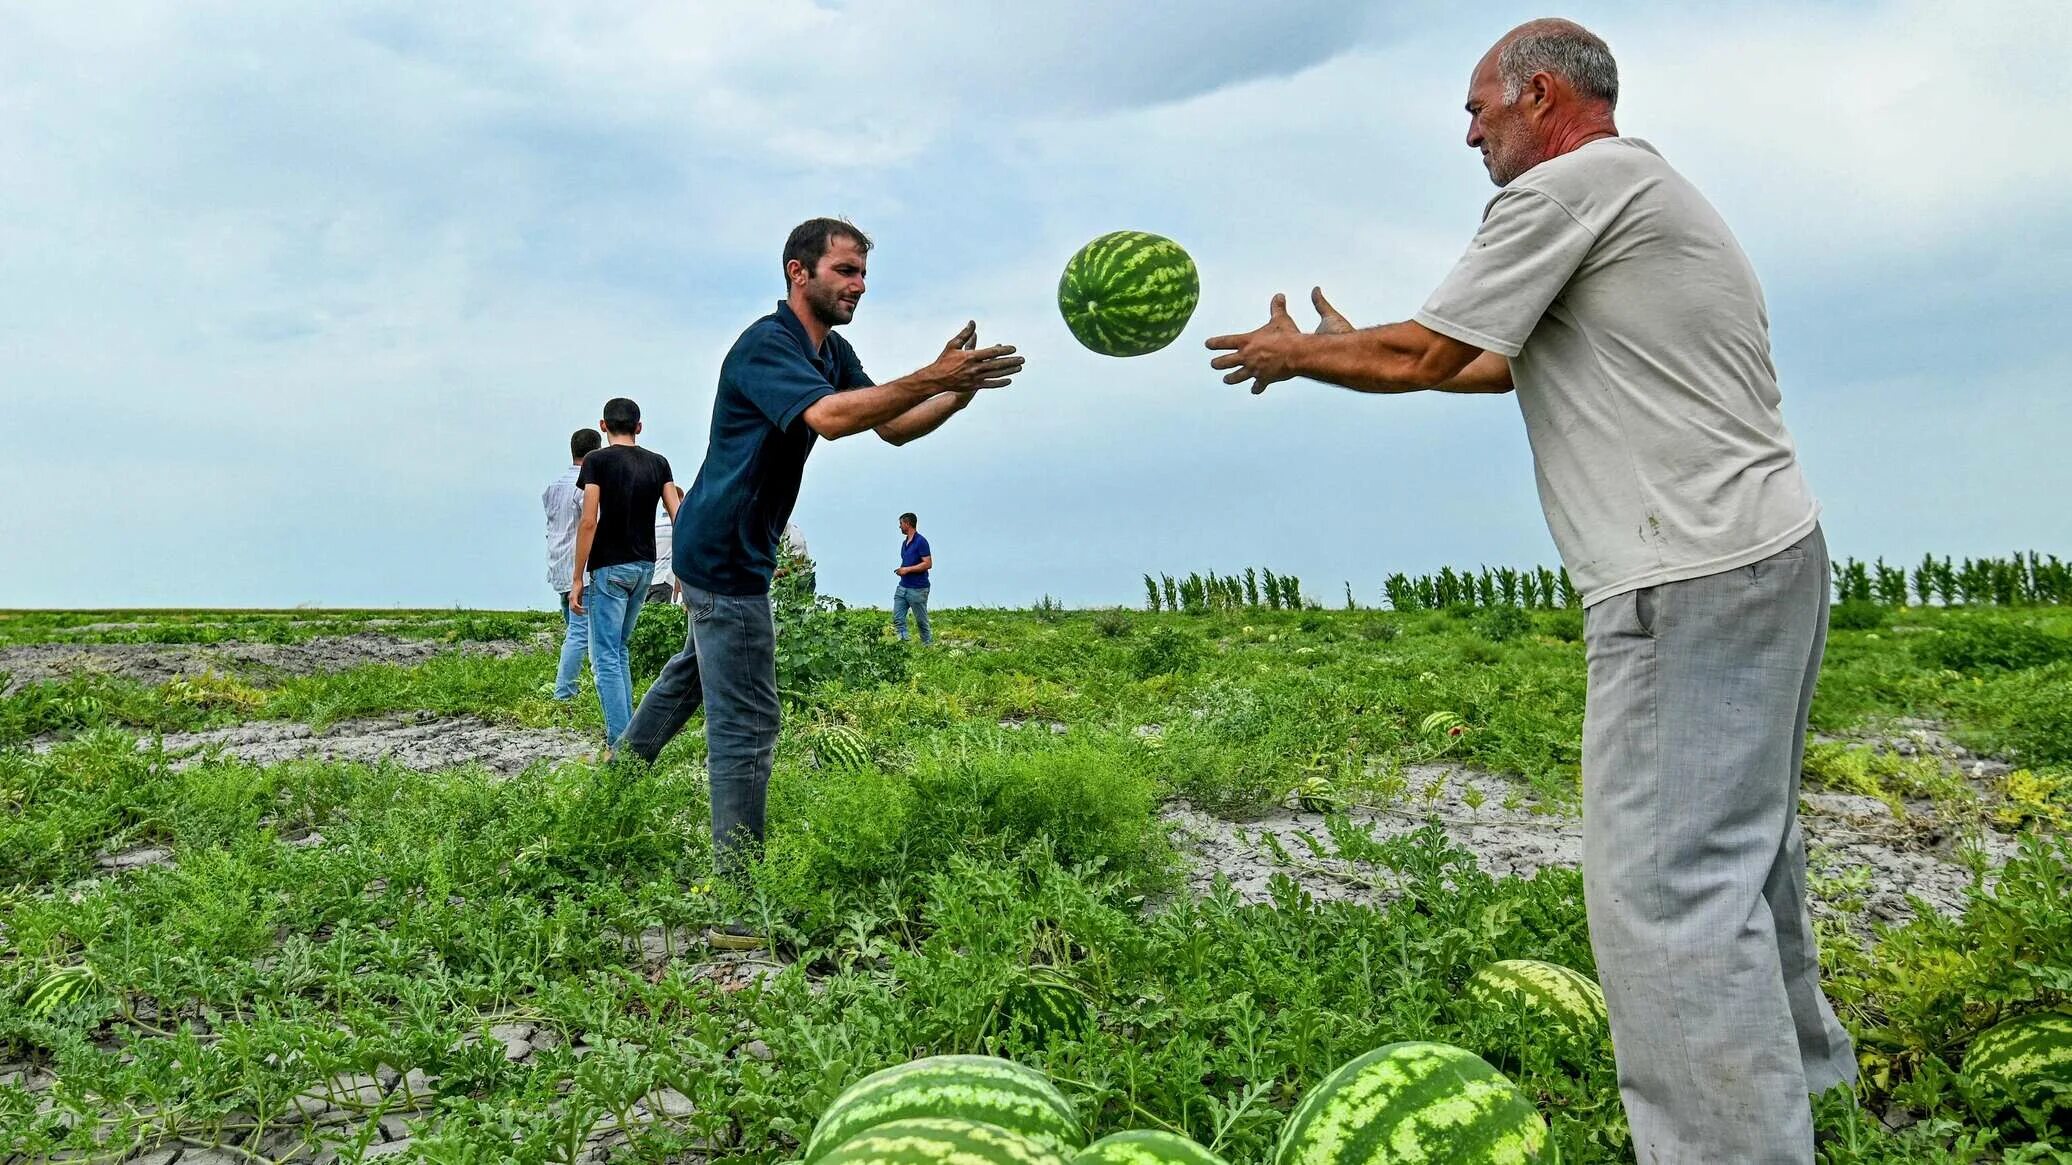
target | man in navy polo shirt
x=788, y=381
x=915, y=559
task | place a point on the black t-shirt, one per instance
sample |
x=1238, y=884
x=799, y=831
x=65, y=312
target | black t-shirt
x=733, y=517
x=629, y=483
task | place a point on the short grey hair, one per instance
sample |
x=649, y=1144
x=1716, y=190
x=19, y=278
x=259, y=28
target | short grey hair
x=1563, y=48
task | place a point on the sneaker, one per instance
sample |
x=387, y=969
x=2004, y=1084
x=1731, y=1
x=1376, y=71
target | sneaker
x=736, y=936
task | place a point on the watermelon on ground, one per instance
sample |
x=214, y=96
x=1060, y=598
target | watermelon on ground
x=840, y=748
x=939, y=1141
x=2028, y=1058
x=1415, y=1103
x=1547, y=990
x=1145, y=1147
x=1048, y=1004
x=1318, y=795
x=1128, y=293
x=972, y=1088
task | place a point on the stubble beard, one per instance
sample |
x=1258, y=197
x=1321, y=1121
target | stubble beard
x=827, y=307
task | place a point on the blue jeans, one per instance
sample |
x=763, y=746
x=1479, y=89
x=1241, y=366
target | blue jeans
x=728, y=665
x=913, y=599
x=575, y=646
x=613, y=599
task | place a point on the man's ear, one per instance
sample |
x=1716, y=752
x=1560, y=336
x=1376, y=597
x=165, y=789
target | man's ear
x=794, y=272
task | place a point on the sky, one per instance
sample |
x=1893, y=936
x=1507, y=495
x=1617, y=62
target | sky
x=299, y=303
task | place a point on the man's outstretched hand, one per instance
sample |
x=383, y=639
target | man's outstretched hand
x=1329, y=322
x=965, y=367
x=1261, y=355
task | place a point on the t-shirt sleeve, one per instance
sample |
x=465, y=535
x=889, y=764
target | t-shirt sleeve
x=921, y=549
x=585, y=477
x=1528, y=247
x=853, y=375
x=780, y=381
x=668, y=474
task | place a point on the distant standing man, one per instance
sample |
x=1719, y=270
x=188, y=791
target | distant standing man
x=615, y=543
x=912, y=592
x=1611, y=296
x=563, y=501
x=789, y=380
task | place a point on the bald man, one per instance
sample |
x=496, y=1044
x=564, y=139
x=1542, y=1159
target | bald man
x=1612, y=299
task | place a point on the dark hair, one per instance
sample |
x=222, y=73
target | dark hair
x=910, y=519
x=583, y=442
x=809, y=240
x=621, y=416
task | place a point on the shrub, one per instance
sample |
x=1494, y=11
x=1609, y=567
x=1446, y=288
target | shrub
x=1565, y=625
x=1979, y=646
x=1111, y=624
x=1502, y=624
x=1166, y=651
x=1857, y=615
x=658, y=635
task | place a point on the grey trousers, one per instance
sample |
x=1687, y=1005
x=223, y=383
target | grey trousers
x=1694, y=870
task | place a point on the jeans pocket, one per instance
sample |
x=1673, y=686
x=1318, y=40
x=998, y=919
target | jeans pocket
x=1644, y=610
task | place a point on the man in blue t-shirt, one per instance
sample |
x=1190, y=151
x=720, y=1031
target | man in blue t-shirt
x=911, y=594
x=788, y=381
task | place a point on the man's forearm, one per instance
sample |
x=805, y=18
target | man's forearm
x=858, y=409
x=1398, y=358
x=923, y=418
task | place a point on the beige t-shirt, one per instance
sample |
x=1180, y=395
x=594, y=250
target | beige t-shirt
x=1640, y=348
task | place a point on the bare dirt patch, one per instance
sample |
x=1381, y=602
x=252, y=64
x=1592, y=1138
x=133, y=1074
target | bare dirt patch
x=156, y=663
x=1865, y=860
x=414, y=742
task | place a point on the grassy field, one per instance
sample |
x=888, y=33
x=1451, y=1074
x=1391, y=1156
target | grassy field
x=307, y=958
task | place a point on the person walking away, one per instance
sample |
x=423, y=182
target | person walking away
x=911, y=594
x=789, y=380
x=662, y=587
x=615, y=544
x=794, y=559
x=1611, y=297
x=563, y=501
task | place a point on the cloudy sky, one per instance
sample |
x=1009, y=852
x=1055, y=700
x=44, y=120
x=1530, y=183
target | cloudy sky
x=299, y=302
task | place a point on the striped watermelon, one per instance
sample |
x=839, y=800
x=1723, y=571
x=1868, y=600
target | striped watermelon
x=973, y=1088
x=2028, y=1058
x=1141, y=1147
x=1048, y=1004
x=840, y=748
x=1128, y=293
x=1411, y=1104
x=1318, y=795
x=1546, y=990
x=939, y=1141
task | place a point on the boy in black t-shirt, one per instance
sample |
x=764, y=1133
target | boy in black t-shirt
x=615, y=552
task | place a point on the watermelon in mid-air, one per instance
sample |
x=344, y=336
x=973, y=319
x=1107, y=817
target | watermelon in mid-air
x=1128, y=293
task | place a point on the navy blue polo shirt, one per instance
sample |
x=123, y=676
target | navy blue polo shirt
x=728, y=527
x=911, y=552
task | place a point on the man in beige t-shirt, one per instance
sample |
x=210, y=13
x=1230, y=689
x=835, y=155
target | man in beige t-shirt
x=1607, y=292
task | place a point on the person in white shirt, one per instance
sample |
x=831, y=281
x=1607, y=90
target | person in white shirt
x=663, y=588
x=564, y=505
x=1610, y=297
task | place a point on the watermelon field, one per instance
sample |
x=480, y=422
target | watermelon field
x=348, y=885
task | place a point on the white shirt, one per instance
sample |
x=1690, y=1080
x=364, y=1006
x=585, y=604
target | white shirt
x=665, y=535
x=793, y=542
x=1640, y=348
x=564, y=505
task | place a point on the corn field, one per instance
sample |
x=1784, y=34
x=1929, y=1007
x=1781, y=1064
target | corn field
x=2024, y=579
